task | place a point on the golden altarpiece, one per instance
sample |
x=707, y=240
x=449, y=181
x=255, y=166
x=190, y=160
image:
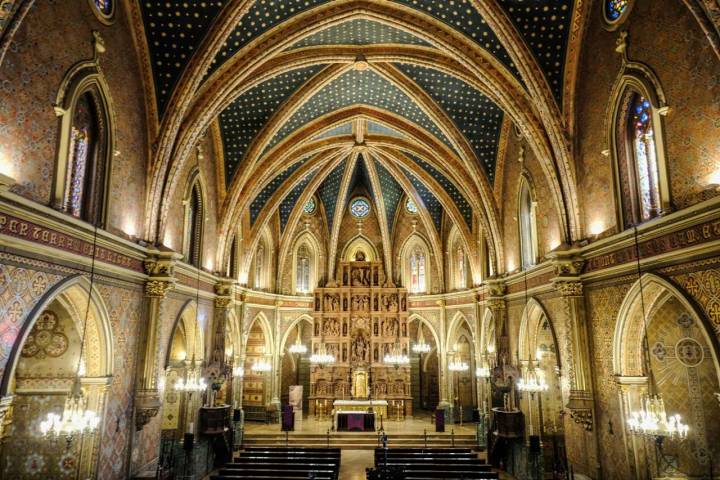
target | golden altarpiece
x=361, y=319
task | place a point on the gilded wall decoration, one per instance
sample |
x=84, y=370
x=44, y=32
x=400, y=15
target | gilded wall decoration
x=704, y=287
x=46, y=339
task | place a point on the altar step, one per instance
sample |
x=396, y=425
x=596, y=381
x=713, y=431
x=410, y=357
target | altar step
x=358, y=441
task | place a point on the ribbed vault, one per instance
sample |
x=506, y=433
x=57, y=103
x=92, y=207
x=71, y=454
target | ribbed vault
x=414, y=91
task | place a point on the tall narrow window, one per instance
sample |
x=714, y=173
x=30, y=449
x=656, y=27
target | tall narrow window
x=194, y=223
x=641, y=135
x=85, y=179
x=526, y=219
x=417, y=271
x=302, y=269
x=259, y=266
x=231, y=270
x=460, y=275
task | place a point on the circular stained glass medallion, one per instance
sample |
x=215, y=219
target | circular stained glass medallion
x=310, y=206
x=615, y=12
x=359, y=208
x=411, y=207
x=104, y=9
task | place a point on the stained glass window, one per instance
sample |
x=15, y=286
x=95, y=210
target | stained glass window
x=303, y=269
x=528, y=249
x=417, y=271
x=411, y=207
x=460, y=259
x=359, y=208
x=82, y=144
x=646, y=167
x=195, y=217
x=259, y=266
x=615, y=8
x=310, y=206
x=104, y=6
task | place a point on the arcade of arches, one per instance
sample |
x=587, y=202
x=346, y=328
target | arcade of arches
x=215, y=210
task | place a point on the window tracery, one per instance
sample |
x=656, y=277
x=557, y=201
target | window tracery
x=303, y=269
x=528, y=232
x=359, y=208
x=417, y=271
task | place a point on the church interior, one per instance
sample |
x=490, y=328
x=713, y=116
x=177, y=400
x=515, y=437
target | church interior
x=350, y=239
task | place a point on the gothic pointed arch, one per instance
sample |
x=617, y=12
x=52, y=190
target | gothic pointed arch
x=636, y=139
x=415, y=265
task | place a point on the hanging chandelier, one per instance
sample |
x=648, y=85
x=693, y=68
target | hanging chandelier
x=421, y=346
x=238, y=372
x=322, y=357
x=298, y=347
x=482, y=372
x=652, y=419
x=76, y=418
x=396, y=356
x=533, y=381
x=458, y=366
x=261, y=366
x=191, y=385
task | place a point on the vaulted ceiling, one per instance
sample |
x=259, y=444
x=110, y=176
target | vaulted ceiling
x=412, y=94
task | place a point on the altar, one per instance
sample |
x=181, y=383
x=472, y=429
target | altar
x=378, y=407
x=358, y=415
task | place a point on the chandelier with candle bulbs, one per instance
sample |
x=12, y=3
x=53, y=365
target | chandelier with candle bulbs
x=261, y=366
x=396, y=356
x=191, y=385
x=533, y=381
x=421, y=346
x=652, y=420
x=321, y=356
x=238, y=372
x=298, y=347
x=77, y=418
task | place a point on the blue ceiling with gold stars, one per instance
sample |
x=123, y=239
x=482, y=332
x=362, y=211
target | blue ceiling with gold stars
x=545, y=27
x=358, y=87
x=175, y=29
x=329, y=190
x=360, y=32
x=248, y=114
x=391, y=191
x=290, y=201
x=475, y=115
x=429, y=201
x=261, y=200
x=449, y=187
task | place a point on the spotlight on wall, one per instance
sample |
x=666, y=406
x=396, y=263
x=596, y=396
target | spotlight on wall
x=597, y=227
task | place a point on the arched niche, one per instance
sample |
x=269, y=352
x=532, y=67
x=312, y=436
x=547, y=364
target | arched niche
x=68, y=331
x=678, y=360
x=360, y=244
x=415, y=260
x=259, y=342
x=427, y=395
x=295, y=367
x=183, y=362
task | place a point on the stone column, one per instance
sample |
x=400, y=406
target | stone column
x=276, y=362
x=218, y=371
x=160, y=270
x=443, y=377
x=575, y=354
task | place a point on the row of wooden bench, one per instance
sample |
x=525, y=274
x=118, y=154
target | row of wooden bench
x=281, y=463
x=430, y=464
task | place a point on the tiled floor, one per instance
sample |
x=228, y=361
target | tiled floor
x=354, y=462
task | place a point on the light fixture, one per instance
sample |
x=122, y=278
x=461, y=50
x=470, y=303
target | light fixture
x=298, y=347
x=396, y=356
x=533, y=381
x=652, y=419
x=421, y=346
x=321, y=357
x=191, y=385
x=458, y=366
x=76, y=418
x=261, y=366
x=238, y=372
